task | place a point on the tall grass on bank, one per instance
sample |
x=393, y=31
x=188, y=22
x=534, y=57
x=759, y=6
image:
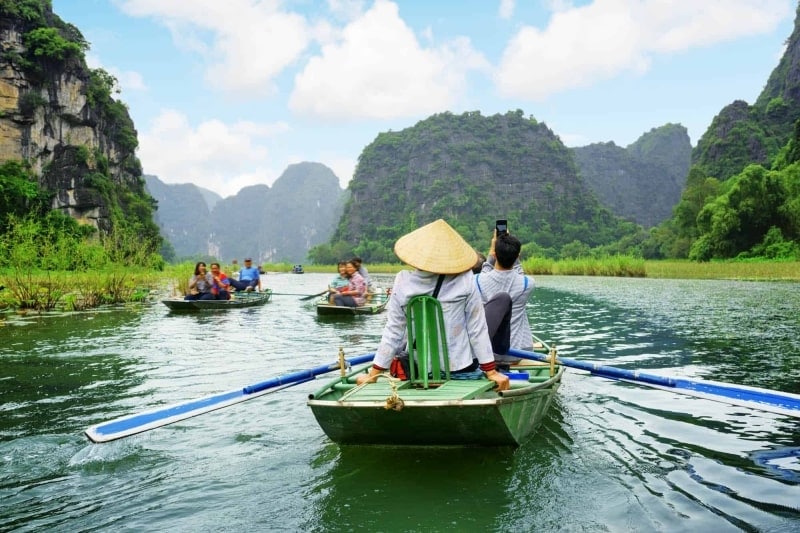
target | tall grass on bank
x=744, y=270
x=40, y=290
x=617, y=265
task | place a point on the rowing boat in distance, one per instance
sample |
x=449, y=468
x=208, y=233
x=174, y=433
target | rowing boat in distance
x=375, y=304
x=453, y=412
x=238, y=299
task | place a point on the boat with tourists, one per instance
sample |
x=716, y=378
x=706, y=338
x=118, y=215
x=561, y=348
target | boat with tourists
x=375, y=303
x=298, y=269
x=238, y=299
x=432, y=408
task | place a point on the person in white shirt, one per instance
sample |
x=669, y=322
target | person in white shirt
x=502, y=273
x=439, y=255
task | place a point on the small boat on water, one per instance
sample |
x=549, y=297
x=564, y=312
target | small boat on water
x=376, y=303
x=297, y=269
x=446, y=412
x=238, y=299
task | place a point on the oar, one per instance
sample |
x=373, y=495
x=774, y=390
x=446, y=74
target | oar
x=162, y=416
x=772, y=401
x=295, y=294
x=314, y=295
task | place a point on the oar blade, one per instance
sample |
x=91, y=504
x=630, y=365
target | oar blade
x=768, y=400
x=128, y=425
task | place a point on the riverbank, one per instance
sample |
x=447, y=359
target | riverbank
x=625, y=267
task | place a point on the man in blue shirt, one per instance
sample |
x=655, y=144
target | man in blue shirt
x=249, y=278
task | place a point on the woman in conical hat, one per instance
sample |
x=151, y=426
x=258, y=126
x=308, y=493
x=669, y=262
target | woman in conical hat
x=435, y=250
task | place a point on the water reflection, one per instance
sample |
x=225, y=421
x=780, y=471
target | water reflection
x=421, y=489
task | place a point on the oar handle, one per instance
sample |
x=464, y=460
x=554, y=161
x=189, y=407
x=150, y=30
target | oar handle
x=305, y=375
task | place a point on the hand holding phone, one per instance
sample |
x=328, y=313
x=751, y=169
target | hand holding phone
x=501, y=227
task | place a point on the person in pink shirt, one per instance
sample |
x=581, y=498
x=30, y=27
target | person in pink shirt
x=353, y=294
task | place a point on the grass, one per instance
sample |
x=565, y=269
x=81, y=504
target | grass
x=625, y=266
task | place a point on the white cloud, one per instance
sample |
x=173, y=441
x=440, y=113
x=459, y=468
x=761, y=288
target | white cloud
x=379, y=70
x=246, y=43
x=583, y=45
x=506, y=9
x=126, y=80
x=214, y=155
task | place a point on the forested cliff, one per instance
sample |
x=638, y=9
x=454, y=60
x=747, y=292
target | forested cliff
x=65, y=143
x=643, y=181
x=742, y=194
x=270, y=224
x=471, y=169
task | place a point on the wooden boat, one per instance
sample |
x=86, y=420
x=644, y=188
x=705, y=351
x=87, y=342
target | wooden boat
x=297, y=269
x=238, y=299
x=432, y=408
x=375, y=304
x=451, y=413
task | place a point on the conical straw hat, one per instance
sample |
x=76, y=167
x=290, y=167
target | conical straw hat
x=437, y=248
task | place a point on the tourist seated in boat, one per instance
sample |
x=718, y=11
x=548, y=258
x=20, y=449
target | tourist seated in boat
x=443, y=263
x=222, y=283
x=339, y=282
x=478, y=266
x=362, y=270
x=353, y=294
x=249, y=278
x=200, y=284
x=502, y=273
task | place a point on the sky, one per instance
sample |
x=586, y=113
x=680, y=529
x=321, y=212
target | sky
x=228, y=94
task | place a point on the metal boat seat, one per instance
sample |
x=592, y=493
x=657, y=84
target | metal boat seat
x=429, y=361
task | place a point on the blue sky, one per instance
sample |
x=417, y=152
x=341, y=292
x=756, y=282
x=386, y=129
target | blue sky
x=226, y=94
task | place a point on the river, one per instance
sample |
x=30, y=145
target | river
x=610, y=456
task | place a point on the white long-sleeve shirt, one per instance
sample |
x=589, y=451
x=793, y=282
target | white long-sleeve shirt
x=491, y=281
x=464, y=319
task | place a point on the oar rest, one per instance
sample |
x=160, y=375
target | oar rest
x=429, y=361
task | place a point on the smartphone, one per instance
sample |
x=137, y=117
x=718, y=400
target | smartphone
x=501, y=226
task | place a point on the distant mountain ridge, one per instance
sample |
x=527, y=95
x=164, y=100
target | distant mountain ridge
x=471, y=169
x=276, y=224
x=642, y=182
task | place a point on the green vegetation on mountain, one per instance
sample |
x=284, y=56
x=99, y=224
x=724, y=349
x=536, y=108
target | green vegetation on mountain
x=742, y=193
x=95, y=182
x=470, y=170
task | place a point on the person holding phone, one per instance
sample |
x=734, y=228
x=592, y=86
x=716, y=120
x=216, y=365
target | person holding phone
x=200, y=284
x=502, y=273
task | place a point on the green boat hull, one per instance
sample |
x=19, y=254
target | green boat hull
x=459, y=413
x=240, y=299
x=376, y=305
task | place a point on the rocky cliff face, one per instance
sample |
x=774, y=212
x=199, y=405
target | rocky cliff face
x=277, y=224
x=642, y=182
x=48, y=118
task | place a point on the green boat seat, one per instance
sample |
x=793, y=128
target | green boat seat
x=429, y=361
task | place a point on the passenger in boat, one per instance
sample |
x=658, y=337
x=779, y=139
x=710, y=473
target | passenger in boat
x=222, y=283
x=443, y=261
x=353, y=294
x=502, y=274
x=339, y=282
x=249, y=278
x=200, y=284
x=362, y=270
x=478, y=266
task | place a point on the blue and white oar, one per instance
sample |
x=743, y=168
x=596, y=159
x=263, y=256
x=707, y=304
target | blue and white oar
x=169, y=414
x=772, y=401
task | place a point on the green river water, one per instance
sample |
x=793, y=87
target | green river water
x=609, y=457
